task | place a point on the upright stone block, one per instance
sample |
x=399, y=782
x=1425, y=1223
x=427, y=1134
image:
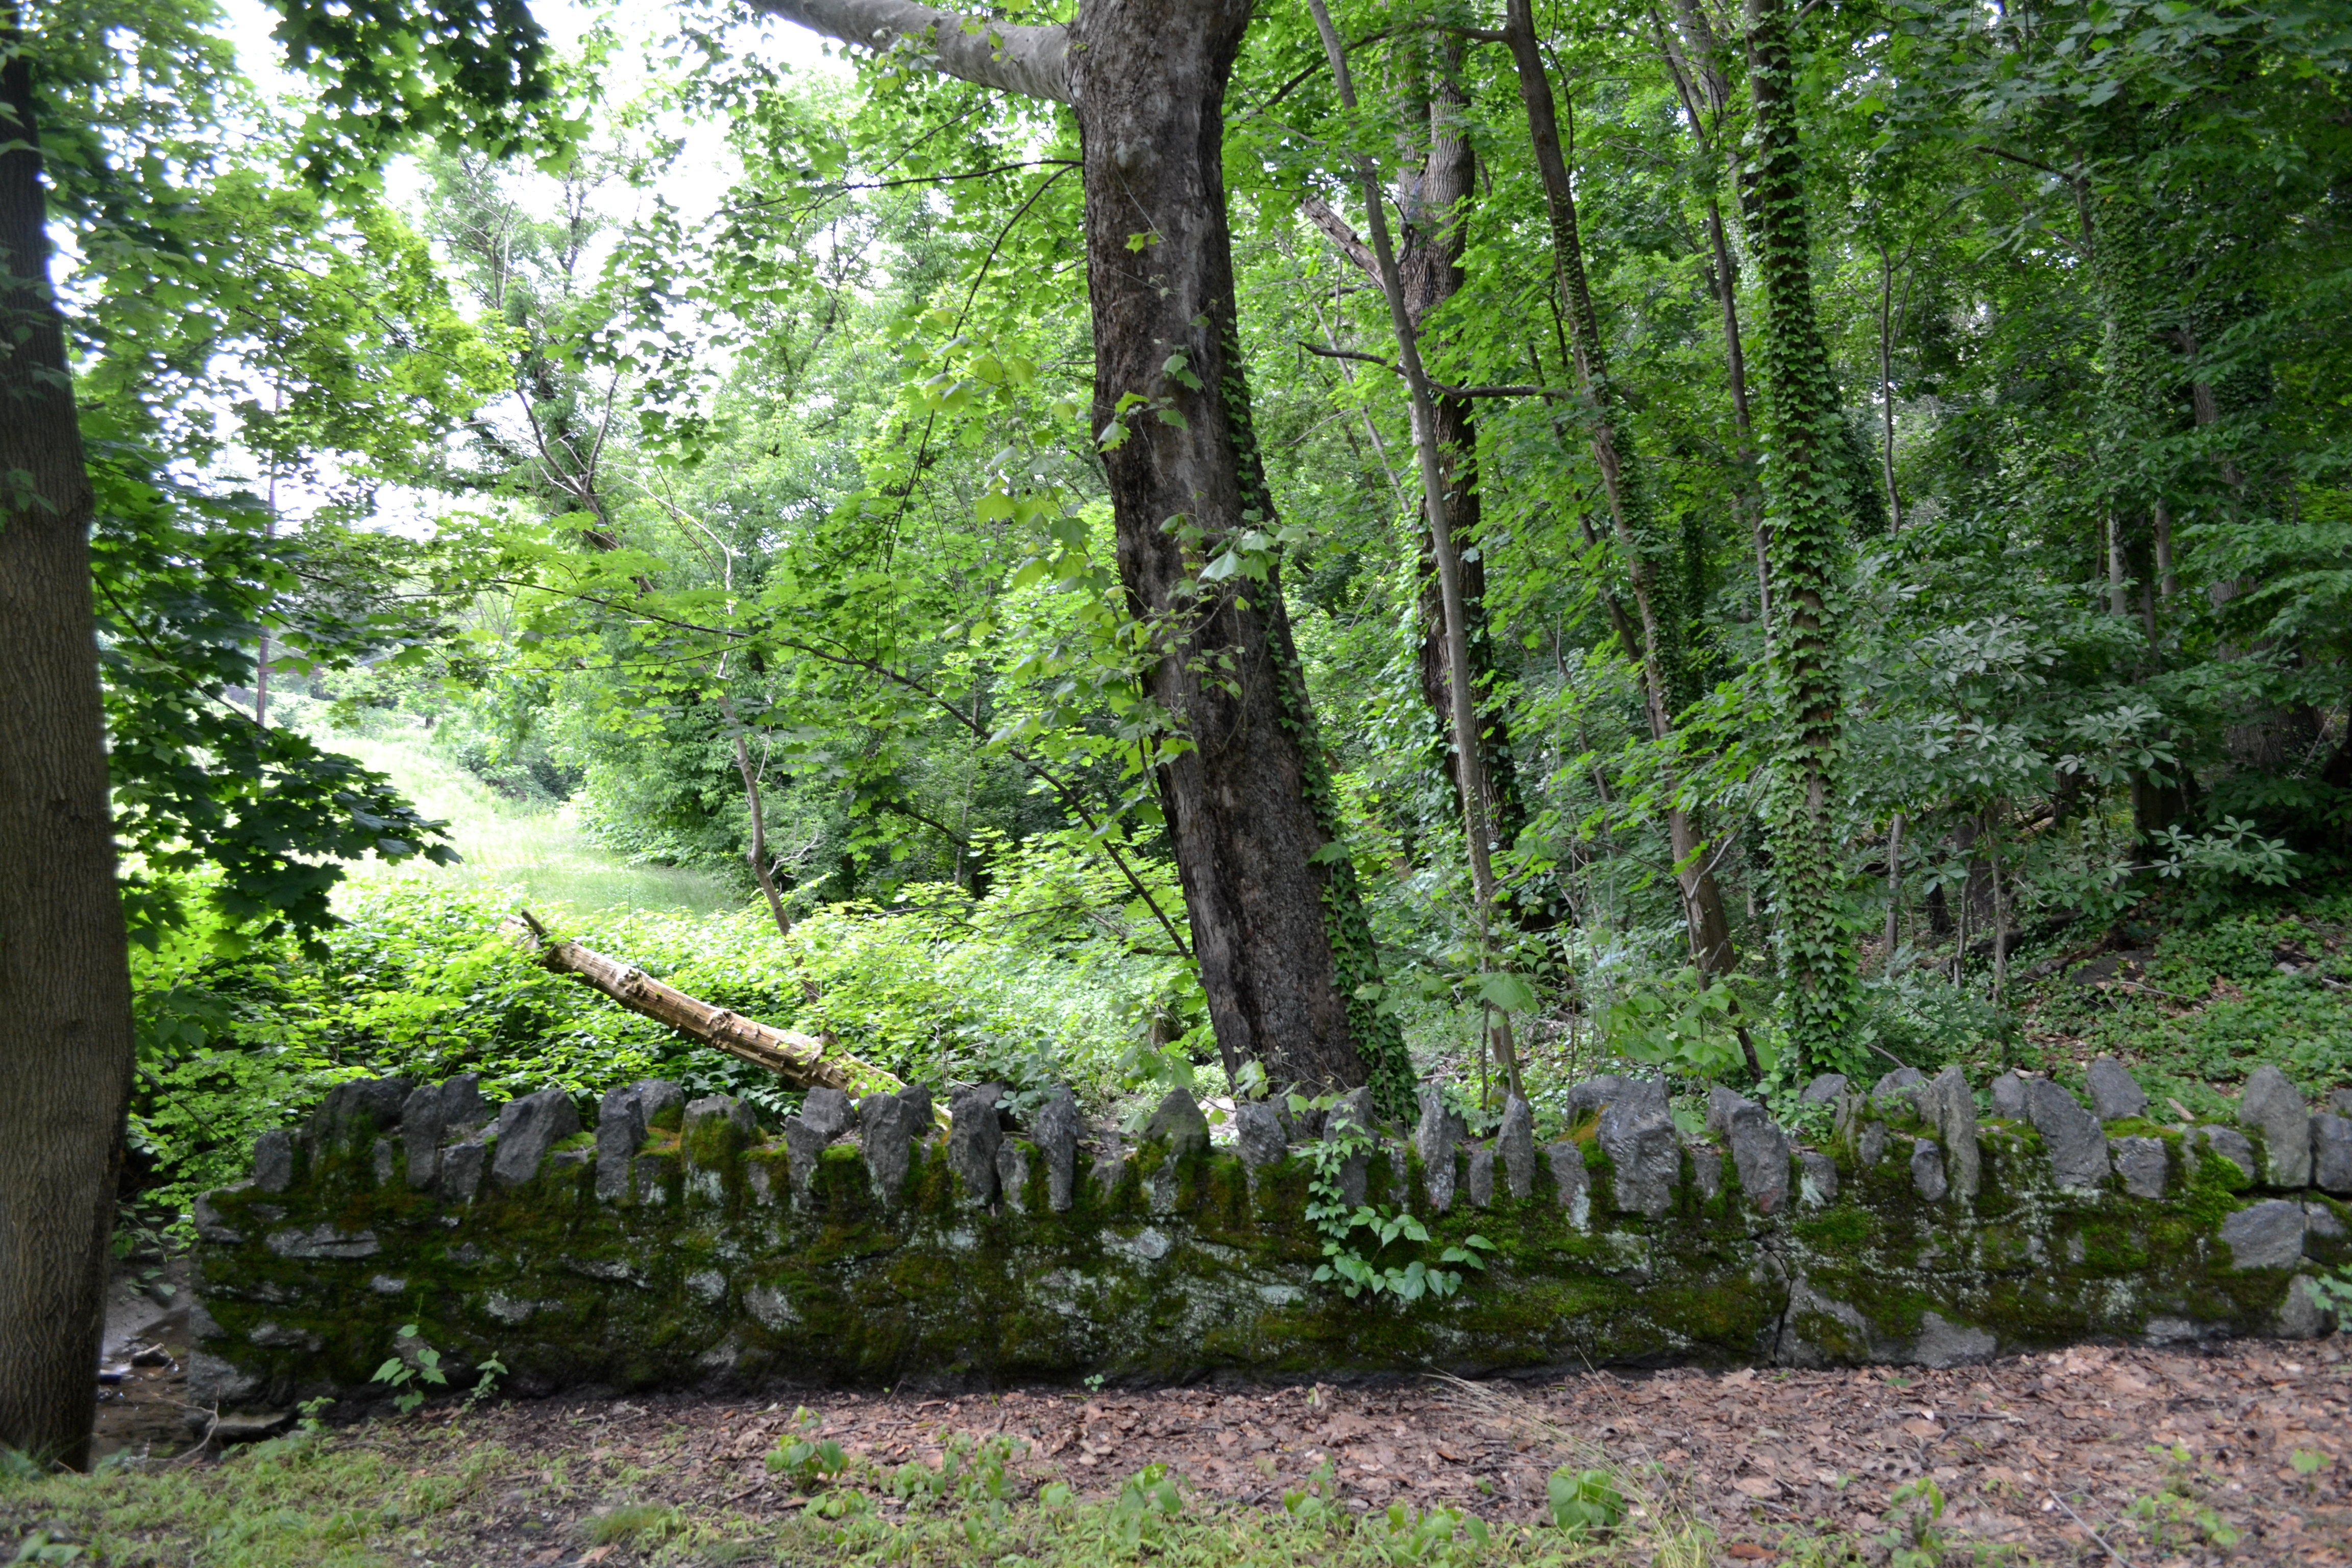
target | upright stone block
x=973, y=1134
x=826, y=1111
x=1927, y=1178
x=624, y=1119
x=1568, y=1180
x=2229, y=1143
x=1760, y=1150
x=1354, y=1110
x=1057, y=1127
x=273, y=1161
x=2331, y=1154
x=463, y=1165
x=1479, y=1183
x=1612, y=1088
x=2141, y=1162
x=888, y=1126
x=1645, y=1157
x=1945, y=1104
x=2115, y=1093
x=2009, y=1097
x=527, y=1128
x=2271, y=1106
x=1898, y=1091
x=1707, y=1171
x=434, y=1113
x=1819, y=1184
x=716, y=1130
x=1825, y=1090
x=1259, y=1135
x=1514, y=1146
x=804, y=1146
x=1435, y=1139
x=2076, y=1143
x=1179, y=1124
x=356, y=1111
x=1013, y=1174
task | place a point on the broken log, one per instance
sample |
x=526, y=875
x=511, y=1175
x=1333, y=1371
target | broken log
x=799, y=1059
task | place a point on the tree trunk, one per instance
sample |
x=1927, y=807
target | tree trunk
x=1277, y=925
x=1463, y=701
x=1429, y=261
x=801, y=1060
x=1278, y=928
x=1668, y=679
x=65, y=980
x=1803, y=508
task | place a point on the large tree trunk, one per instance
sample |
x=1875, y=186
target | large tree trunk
x=1804, y=505
x=65, y=982
x=1277, y=925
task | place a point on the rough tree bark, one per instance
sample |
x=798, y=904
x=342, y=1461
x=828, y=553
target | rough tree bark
x=65, y=981
x=1277, y=925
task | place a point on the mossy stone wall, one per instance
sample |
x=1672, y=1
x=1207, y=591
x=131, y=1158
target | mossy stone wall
x=1170, y=1266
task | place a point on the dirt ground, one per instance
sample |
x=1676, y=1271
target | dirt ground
x=2091, y=1453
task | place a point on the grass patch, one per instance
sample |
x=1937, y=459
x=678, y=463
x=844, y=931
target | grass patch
x=541, y=853
x=383, y=1494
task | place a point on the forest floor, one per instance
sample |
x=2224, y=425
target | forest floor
x=2236, y=1453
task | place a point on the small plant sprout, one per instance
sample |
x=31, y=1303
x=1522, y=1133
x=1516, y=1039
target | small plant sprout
x=413, y=1365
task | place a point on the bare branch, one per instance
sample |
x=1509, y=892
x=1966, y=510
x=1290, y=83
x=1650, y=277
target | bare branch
x=1032, y=62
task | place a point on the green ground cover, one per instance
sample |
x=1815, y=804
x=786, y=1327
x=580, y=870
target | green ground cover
x=389, y=1493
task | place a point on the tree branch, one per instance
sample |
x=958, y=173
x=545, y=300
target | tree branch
x=1335, y=229
x=1032, y=62
x=1510, y=391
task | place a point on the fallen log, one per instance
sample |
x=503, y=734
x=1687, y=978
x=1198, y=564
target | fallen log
x=801, y=1060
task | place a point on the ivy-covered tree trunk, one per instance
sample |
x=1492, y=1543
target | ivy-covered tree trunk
x=1278, y=924
x=1804, y=514
x=1669, y=679
x=65, y=982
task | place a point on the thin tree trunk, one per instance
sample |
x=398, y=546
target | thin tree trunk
x=1667, y=682
x=1429, y=262
x=1807, y=540
x=1465, y=701
x=762, y=872
x=2000, y=926
x=65, y=978
x=1894, y=884
x=2167, y=581
x=2118, y=568
x=1886, y=382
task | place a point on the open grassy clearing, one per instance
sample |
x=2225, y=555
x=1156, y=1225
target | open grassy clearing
x=539, y=852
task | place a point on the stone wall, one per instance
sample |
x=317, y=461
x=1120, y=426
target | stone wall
x=676, y=1245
